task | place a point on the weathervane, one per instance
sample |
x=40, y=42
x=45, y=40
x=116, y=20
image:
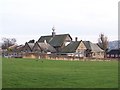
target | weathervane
x=53, y=28
x=53, y=33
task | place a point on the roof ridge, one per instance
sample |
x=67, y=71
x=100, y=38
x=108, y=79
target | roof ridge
x=90, y=43
x=55, y=35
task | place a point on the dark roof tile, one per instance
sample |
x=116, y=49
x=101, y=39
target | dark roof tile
x=71, y=48
x=46, y=47
x=55, y=41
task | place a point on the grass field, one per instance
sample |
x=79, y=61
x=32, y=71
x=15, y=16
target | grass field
x=29, y=73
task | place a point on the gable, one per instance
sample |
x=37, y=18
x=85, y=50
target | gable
x=68, y=38
x=81, y=46
x=67, y=41
x=26, y=47
x=36, y=47
x=31, y=45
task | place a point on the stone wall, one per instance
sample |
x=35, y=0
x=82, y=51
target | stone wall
x=55, y=57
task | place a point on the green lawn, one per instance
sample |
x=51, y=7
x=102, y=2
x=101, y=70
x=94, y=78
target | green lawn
x=29, y=73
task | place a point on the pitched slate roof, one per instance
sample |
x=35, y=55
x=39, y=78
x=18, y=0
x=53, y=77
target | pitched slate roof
x=71, y=48
x=16, y=48
x=114, y=51
x=47, y=38
x=30, y=45
x=87, y=44
x=93, y=47
x=96, y=48
x=12, y=48
x=57, y=40
x=46, y=47
x=19, y=48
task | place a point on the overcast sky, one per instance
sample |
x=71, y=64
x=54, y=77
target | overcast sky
x=85, y=19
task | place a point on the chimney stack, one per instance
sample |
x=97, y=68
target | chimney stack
x=76, y=38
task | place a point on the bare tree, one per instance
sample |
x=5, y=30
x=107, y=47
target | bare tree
x=7, y=42
x=103, y=43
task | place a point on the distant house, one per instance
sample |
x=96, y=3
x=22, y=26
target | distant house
x=93, y=50
x=20, y=48
x=13, y=51
x=27, y=50
x=19, y=51
x=4, y=53
x=56, y=46
x=57, y=41
x=37, y=50
x=114, y=53
x=83, y=49
x=43, y=47
x=28, y=47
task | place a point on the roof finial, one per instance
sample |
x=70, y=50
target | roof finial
x=53, y=28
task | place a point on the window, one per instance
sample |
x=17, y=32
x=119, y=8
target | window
x=78, y=50
x=26, y=50
x=107, y=55
x=93, y=54
x=112, y=55
x=116, y=55
x=98, y=53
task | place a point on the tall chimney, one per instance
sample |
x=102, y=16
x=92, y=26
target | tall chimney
x=53, y=33
x=76, y=38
